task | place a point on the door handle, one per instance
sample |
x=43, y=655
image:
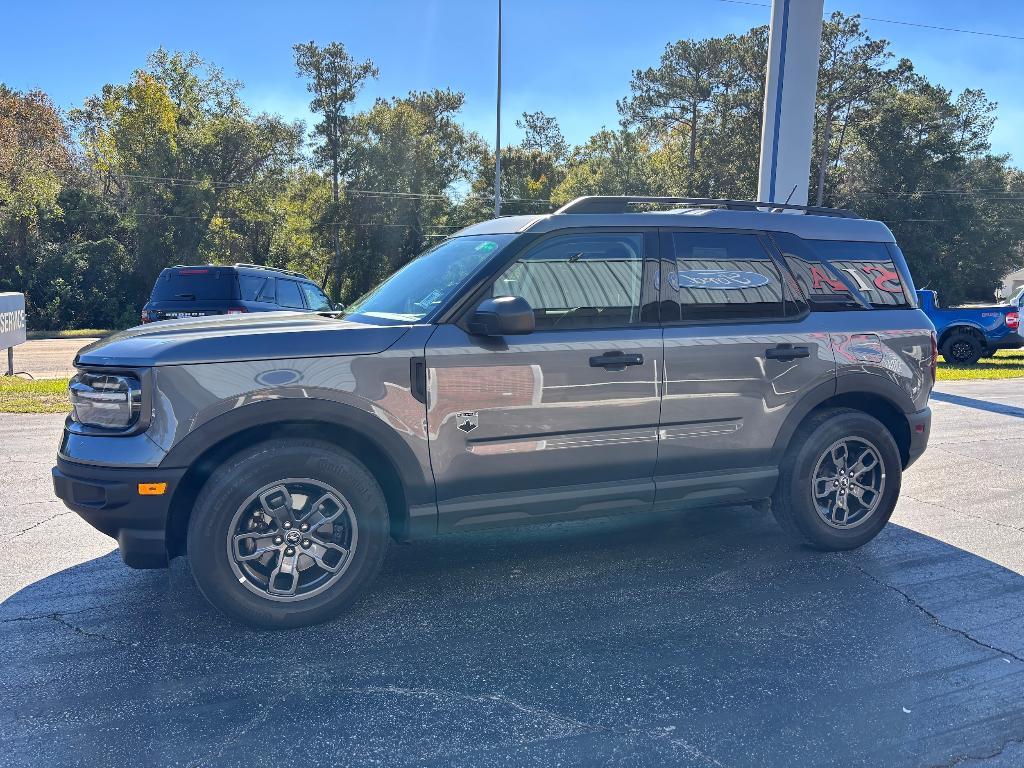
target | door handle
x=615, y=361
x=786, y=352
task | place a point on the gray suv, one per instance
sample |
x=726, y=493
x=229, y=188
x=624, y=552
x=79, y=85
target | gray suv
x=597, y=360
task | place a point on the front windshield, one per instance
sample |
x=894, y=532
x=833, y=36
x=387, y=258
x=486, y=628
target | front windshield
x=416, y=291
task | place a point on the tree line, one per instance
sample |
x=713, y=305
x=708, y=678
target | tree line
x=173, y=167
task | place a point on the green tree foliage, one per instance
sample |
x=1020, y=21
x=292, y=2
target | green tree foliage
x=172, y=166
x=334, y=78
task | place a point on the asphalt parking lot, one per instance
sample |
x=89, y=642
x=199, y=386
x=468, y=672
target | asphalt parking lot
x=701, y=639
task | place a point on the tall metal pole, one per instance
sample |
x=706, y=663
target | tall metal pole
x=497, y=130
x=790, y=92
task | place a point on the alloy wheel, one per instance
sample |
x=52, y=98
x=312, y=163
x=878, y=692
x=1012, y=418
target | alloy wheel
x=292, y=539
x=848, y=482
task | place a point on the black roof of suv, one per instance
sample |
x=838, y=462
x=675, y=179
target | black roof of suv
x=210, y=289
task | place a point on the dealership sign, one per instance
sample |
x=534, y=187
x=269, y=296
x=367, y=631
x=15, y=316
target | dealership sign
x=12, y=319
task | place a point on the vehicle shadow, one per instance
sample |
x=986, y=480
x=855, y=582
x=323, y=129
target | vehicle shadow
x=703, y=638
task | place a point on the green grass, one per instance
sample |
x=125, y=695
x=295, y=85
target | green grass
x=74, y=333
x=1007, y=364
x=18, y=395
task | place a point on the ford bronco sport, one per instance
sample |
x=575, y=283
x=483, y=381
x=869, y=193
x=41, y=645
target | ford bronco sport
x=531, y=368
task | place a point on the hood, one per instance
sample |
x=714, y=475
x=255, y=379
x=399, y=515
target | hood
x=235, y=338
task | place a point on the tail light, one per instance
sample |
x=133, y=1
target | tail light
x=1013, y=320
x=144, y=316
x=237, y=310
x=935, y=356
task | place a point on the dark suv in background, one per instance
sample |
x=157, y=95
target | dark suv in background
x=197, y=291
x=531, y=368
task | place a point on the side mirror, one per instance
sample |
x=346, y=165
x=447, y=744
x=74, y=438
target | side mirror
x=503, y=316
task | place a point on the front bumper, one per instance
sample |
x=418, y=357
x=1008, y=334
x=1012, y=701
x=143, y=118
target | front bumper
x=920, y=428
x=108, y=499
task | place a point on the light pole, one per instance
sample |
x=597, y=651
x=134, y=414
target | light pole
x=497, y=130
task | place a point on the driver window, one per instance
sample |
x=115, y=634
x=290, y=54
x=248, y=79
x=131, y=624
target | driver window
x=579, y=281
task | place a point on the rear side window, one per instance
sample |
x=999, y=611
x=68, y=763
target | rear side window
x=838, y=274
x=194, y=284
x=252, y=286
x=288, y=294
x=722, y=276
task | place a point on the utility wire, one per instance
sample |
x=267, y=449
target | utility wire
x=897, y=21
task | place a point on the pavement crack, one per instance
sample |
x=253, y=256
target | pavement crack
x=60, y=619
x=23, y=531
x=988, y=756
x=963, y=512
x=934, y=617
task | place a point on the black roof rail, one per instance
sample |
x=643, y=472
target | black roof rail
x=621, y=204
x=272, y=269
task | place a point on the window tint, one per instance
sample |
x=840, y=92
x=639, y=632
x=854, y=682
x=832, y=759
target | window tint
x=251, y=286
x=194, y=284
x=722, y=276
x=315, y=298
x=579, y=281
x=837, y=274
x=288, y=294
x=269, y=291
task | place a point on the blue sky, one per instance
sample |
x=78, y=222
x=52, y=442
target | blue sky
x=569, y=58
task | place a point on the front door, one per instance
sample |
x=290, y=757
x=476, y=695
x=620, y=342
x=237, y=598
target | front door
x=741, y=351
x=563, y=421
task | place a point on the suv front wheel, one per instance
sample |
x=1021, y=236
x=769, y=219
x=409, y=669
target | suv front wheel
x=839, y=480
x=287, y=533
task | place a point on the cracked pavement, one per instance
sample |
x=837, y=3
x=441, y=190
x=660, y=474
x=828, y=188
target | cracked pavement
x=699, y=639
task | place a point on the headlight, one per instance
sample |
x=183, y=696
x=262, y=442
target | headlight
x=105, y=400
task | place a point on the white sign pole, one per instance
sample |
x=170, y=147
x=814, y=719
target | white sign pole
x=789, y=98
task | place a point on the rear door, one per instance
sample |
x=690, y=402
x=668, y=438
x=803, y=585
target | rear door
x=193, y=292
x=562, y=421
x=741, y=351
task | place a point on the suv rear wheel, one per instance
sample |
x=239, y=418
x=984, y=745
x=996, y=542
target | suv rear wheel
x=287, y=533
x=839, y=481
x=962, y=348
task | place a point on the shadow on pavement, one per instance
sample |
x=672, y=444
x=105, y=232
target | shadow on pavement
x=701, y=639
x=982, y=405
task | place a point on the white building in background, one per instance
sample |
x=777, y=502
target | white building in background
x=1012, y=283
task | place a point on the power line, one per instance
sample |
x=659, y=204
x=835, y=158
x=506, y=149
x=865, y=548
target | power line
x=353, y=192
x=897, y=21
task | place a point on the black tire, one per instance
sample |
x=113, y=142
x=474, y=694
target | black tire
x=219, y=510
x=793, y=502
x=962, y=348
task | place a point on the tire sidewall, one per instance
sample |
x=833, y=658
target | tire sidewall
x=976, y=348
x=801, y=495
x=235, y=481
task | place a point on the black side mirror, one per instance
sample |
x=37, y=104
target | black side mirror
x=503, y=316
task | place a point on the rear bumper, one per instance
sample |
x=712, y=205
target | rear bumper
x=920, y=428
x=108, y=499
x=1009, y=341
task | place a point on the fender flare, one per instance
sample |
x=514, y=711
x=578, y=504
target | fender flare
x=955, y=326
x=845, y=384
x=419, y=490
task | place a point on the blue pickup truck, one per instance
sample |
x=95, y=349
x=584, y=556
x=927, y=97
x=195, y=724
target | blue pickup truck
x=967, y=334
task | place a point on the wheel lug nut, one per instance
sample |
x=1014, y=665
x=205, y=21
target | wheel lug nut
x=306, y=543
x=287, y=524
x=290, y=551
x=304, y=527
x=278, y=540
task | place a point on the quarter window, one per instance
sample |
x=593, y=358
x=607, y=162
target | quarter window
x=251, y=286
x=722, y=276
x=838, y=274
x=579, y=281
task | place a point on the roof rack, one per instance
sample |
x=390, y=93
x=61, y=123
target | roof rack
x=621, y=204
x=272, y=269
